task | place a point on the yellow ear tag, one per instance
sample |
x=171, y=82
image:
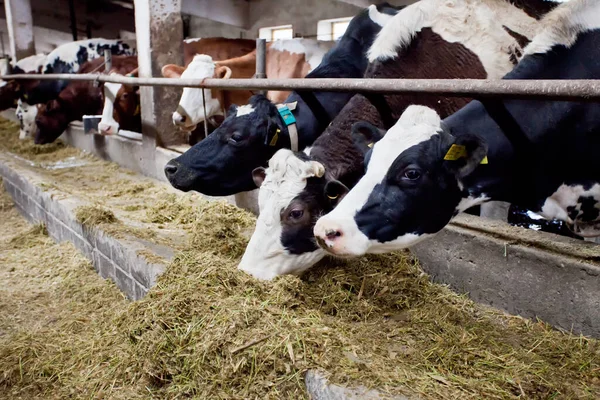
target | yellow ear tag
x=455, y=152
x=137, y=110
x=370, y=145
x=275, y=138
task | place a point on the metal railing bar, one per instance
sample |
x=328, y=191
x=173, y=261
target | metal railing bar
x=573, y=90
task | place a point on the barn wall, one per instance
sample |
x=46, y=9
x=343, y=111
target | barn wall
x=202, y=27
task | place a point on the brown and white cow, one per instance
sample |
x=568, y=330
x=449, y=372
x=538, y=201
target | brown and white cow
x=293, y=58
x=431, y=39
x=126, y=100
x=76, y=100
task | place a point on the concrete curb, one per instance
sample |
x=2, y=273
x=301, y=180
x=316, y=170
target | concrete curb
x=113, y=259
x=523, y=272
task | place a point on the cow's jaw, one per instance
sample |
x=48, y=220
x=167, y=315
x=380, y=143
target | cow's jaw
x=108, y=125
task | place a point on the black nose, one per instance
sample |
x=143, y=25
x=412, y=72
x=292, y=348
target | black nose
x=171, y=168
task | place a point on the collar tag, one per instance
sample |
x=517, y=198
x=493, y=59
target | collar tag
x=286, y=115
x=137, y=110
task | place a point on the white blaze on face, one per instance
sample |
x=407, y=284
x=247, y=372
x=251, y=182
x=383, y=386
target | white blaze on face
x=108, y=125
x=417, y=124
x=26, y=114
x=190, y=110
x=265, y=256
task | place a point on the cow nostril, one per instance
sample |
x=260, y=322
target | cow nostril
x=170, y=169
x=183, y=118
x=333, y=234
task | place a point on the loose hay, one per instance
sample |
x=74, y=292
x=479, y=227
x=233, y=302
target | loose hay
x=208, y=330
x=94, y=215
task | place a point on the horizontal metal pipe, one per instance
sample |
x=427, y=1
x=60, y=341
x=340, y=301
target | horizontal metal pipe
x=574, y=90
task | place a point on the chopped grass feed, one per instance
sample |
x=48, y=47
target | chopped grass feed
x=207, y=330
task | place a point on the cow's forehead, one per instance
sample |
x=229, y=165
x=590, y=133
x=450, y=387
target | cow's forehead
x=416, y=125
x=202, y=66
x=285, y=178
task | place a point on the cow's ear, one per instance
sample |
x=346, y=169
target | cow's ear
x=365, y=135
x=172, y=71
x=466, y=154
x=258, y=175
x=335, y=191
x=232, y=110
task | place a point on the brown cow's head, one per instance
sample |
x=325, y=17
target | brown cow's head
x=52, y=120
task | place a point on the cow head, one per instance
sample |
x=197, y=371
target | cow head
x=121, y=109
x=293, y=195
x=222, y=164
x=52, y=120
x=191, y=109
x=26, y=115
x=411, y=189
x=9, y=94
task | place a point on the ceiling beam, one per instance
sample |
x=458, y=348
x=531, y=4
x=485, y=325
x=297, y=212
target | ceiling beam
x=230, y=12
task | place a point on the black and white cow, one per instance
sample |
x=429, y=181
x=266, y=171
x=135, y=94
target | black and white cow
x=9, y=89
x=541, y=154
x=222, y=164
x=427, y=40
x=67, y=59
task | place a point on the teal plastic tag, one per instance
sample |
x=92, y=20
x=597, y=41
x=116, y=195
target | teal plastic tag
x=286, y=114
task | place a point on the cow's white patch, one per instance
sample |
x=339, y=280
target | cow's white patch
x=244, y=110
x=313, y=50
x=567, y=197
x=192, y=40
x=190, y=110
x=31, y=63
x=476, y=24
x=564, y=24
x=26, y=114
x=416, y=125
x=108, y=125
x=378, y=17
x=265, y=256
x=307, y=150
x=3, y=83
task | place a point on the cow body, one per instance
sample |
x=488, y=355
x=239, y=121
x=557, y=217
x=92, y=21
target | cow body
x=222, y=164
x=76, y=100
x=427, y=40
x=542, y=154
x=9, y=90
x=68, y=59
x=218, y=48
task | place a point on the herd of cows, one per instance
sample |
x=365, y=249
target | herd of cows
x=349, y=174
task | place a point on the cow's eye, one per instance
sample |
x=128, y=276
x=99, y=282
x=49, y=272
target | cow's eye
x=412, y=174
x=296, y=214
x=236, y=137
